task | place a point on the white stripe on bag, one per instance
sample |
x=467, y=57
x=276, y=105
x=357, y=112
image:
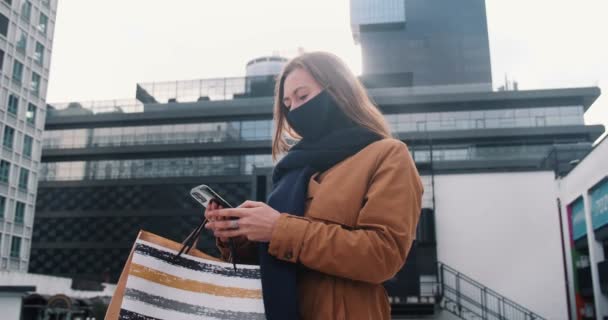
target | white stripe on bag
x=194, y=298
x=205, y=277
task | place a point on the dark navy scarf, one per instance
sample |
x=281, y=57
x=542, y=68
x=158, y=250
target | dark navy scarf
x=290, y=185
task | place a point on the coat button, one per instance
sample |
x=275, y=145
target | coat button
x=288, y=255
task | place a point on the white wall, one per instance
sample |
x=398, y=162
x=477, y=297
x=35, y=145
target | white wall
x=10, y=306
x=502, y=230
x=592, y=169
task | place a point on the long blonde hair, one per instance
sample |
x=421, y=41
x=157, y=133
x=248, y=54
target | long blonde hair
x=340, y=83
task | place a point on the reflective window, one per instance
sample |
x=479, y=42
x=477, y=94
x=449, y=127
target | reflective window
x=13, y=104
x=3, y=25
x=43, y=23
x=17, y=71
x=8, y=138
x=27, y=145
x=5, y=171
x=19, y=212
x=16, y=247
x=26, y=10
x=502, y=118
x=24, y=178
x=21, y=44
x=35, y=84
x=153, y=168
x=31, y=114
x=39, y=53
x=480, y=153
x=160, y=134
x=2, y=206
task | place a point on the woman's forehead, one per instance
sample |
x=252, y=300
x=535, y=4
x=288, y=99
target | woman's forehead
x=298, y=78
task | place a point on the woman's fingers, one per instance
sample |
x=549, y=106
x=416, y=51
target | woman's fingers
x=251, y=204
x=229, y=213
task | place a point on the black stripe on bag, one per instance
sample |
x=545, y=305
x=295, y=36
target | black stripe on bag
x=128, y=315
x=180, y=261
x=190, y=309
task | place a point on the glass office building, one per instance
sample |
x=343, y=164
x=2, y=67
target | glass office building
x=424, y=43
x=106, y=174
x=26, y=39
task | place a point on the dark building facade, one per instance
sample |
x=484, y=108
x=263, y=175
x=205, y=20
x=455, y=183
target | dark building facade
x=424, y=42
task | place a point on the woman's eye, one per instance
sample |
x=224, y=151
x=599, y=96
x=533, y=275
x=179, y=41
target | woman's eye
x=303, y=97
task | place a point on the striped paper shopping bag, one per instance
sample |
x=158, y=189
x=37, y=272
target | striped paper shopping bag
x=157, y=284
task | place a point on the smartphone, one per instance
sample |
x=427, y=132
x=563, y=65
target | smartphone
x=204, y=195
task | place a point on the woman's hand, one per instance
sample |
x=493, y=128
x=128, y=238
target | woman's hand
x=255, y=221
x=211, y=207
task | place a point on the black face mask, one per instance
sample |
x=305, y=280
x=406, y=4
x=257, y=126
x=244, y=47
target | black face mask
x=317, y=117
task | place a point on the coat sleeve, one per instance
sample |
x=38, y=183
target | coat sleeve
x=377, y=248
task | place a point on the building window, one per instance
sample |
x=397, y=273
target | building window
x=43, y=23
x=27, y=145
x=421, y=125
x=46, y=3
x=9, y=137
x=19, y=212
x=16, y=247
x=26, y=10
x=2, y=206
x=1, y=60
x=39, y=53
x=5, y=171
x=541, y=121
x=13, y=104
x=22, y=41
x=35, y=84
x=3, y=25
x=24, y=177
x=31, y=114
x=17, y=71
x=9, y=2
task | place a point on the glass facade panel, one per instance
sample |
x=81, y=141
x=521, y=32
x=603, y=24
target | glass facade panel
x=39, y=53
x=16, y=247
x=43, y=23
x=13, y=104
x=8, y=138
x=24, y=178
x=26, y=10
x=5, y=171
x=27, y=145
x=152, y=168
x=2, y=207
x=19, y=212
x=17, y=71
x=30, y=116
x=490, y=119
x=21, y=44
x=35, y=84
x=160, y=134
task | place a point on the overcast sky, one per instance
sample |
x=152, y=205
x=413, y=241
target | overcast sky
x=103, y=48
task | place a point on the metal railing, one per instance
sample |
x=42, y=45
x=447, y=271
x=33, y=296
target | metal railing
x=468, y=299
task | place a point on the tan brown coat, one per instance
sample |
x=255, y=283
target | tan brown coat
x=359, y=224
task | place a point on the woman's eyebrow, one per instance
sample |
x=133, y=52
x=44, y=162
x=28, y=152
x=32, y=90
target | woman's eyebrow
x=295, y=91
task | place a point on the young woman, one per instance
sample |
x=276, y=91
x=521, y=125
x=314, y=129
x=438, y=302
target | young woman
x=345, y=203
